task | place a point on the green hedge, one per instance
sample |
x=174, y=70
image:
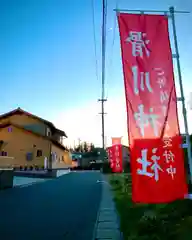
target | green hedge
x=150, y=221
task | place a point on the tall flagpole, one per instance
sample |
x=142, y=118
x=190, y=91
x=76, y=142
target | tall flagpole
x=182, y=99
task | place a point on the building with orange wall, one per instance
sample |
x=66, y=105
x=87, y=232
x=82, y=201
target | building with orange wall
x=27, y=139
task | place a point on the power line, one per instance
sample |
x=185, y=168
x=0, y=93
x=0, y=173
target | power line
x=110, y=59
x=94, y=39
x=113, y=37
x=104, y=23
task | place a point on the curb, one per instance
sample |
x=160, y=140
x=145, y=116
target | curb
x=108, y=222
x=41, y=174
x=29, y=184
x=36, y=182
x=25, y=185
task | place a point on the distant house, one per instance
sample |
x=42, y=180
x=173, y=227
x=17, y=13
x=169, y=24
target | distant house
x=101, y=154
x=76, y=159
x=85, y=159
x=29, y=139
x=126, y=153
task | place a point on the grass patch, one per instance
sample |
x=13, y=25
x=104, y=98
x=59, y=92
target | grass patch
x=150, y=221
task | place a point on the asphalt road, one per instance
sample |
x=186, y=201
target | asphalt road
x=63, y=208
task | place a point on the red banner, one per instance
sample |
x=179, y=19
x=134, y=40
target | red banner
x=157, y=160
x=116, y=140
x=110, y=156
x=116, y=158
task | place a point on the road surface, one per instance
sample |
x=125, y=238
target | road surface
x=62, y=208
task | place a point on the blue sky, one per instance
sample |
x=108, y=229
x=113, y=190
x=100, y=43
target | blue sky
x=47, y=62
x=46, y=54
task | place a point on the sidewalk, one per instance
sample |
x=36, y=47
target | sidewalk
x=107, y=225
x=19, y=181
x=25, y=181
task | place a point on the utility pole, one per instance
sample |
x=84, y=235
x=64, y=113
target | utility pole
x=103, y=100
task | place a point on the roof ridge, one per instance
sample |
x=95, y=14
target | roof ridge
x=50, y=124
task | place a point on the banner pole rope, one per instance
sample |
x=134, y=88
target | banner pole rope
x=172, y=15
x=148, y=11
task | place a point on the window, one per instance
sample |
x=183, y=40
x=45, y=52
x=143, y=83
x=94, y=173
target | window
x=39, y=153
x=3, y=153
x=62, y=159
x=9, y=129
x=29, y=156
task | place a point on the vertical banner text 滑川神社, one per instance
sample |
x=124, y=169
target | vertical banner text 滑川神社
x=115, y=154
x=157, y=160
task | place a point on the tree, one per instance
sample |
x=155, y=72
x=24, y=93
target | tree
x=71, y=149
x=85, y=147
x=92, y=147
x=77, y=149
